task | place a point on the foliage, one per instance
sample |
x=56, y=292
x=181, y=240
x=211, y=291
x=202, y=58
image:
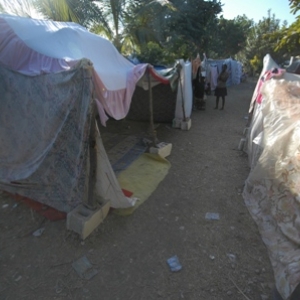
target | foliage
x=290, y=37
x=161, y=31
x=84, y=12
x=24, y=8
x=192, y=22
x=295, y=6
x=132, y=24
x=180, y=28
x=256, y=64
x=261, y=40
x=231, y=36
x=151, y=53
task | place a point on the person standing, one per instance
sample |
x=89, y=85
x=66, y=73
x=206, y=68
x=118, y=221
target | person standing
x=221, y=89
x=199, y=90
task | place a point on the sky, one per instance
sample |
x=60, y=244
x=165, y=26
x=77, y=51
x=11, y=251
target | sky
x=257, y=9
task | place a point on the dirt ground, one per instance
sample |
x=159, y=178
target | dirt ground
x=221, y=259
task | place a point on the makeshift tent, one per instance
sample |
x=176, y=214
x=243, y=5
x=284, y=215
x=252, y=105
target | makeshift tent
x=212, y=67
x=54, y=75
x=272, y=190
x=172, y=97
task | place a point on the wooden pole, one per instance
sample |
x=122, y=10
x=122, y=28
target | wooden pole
x=153, y=132
x=182, y=98
x=91, y=203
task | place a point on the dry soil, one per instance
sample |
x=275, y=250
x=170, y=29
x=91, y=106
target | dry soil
x=221, y=259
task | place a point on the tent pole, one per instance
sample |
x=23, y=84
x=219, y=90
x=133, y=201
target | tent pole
x=182, y=98
x=153, y=132
x=91, y=203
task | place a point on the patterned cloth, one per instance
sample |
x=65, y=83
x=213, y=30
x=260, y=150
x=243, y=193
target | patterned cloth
x=44, y=131
x=272, y=190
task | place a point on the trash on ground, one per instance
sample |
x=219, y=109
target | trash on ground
x=18, y=278
x=231, y=257
x=174, y=264
x=84, y=268
x=39, y=232
x=212, y=216
x=14, y=206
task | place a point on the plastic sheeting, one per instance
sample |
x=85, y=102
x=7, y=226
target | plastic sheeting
x=214, y=67
x=272, y=189
x=34, y=47
x=184, y=92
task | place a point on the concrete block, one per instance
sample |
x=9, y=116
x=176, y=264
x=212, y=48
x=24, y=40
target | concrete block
x=245, y=132
x=242, y=144
x=162, y=149
x=84, y=221
x=176, y=123
x=186, y=125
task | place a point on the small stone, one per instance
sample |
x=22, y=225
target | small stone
x=264, y=297
x=229, y=293
x=4, y=205
x=18, y=278
x=181, y=227
x=211, y=257
x=257, y=271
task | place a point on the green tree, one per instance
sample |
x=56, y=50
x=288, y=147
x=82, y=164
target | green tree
x=84, y=12
x=232, y=35
x=289, y=37
x=192, y=22
x=180, y=28
x=131, y=22
x=260, y=41
x=24, y=8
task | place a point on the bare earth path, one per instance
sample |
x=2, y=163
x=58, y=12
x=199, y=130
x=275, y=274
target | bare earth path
x=223, y=259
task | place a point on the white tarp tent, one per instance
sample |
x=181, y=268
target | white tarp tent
x=272, y=190
x=213, y=67
x=35, y=47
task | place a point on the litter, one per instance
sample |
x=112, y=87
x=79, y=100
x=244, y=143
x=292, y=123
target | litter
x=39, y=232
x=212, y=216
x=174, y=264
x=18, y=278
x=14, y=206
x=231, y=257
x=84, y=268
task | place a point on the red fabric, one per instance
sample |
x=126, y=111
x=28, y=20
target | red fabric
x=42, y=209
x=158, y=77
x=127, y=193
x=47, y=211
x=267, y=76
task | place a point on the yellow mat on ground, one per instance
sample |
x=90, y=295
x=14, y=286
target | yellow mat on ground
x=142, y=178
